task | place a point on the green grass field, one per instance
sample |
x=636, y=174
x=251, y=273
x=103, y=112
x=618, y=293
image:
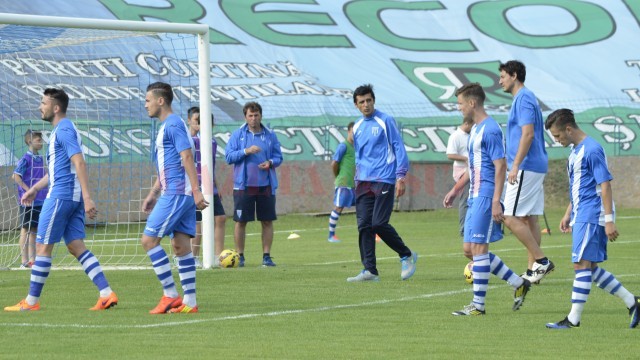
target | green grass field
x=304, y=308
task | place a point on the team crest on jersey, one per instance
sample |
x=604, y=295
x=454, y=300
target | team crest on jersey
x=375, y=131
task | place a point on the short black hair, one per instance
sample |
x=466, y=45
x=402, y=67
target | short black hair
x=516, y=67
x=59, y=96
x=364, y=90
x=196, y=110
x=350, y=125
x=163, y=90
x=472, y=90
x=561, y=118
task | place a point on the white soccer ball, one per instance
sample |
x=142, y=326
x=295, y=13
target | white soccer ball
x=229, y=258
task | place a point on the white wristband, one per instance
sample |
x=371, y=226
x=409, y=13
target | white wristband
x=608, y=218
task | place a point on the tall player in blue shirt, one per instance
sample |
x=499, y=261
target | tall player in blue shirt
x=486, y=172
x=527, y=166
x=174, y=212
x=64, y=208
x=590, y=217
x=381, y=167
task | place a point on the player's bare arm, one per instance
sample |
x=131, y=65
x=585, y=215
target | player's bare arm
x=335, y=166
x=523, y=148
x=455, y=191
x=190, y=168
x=150, y=201
x=566, y=220
x=18, y=180
x=496, y=206
x=400, y=187
x=607, y=202
x=456, y=157
x=81, y=172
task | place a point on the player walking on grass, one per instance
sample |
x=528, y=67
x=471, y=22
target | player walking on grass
x=381, y=166
x=344, y=168
x=590, y=217
x=174, y=212
x=527, y=166
x=64, y=209
x=482, y=225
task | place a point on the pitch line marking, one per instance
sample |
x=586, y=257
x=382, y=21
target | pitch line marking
x=270, y=313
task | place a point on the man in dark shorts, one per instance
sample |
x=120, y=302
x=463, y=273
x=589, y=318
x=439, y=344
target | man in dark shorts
x=254, y=151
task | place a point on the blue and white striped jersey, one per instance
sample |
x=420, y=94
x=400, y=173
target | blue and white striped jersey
x=64, y=142
x=173, y=138
x=587, y=168
x=486, y=144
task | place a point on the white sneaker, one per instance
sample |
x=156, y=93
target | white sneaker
x=408, y=265
x=365, y=275
x=540, y=271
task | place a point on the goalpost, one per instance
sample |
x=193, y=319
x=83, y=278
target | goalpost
x=105, y=67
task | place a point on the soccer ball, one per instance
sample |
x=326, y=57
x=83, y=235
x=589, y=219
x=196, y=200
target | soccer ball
x=468, y=273
x=229, y=258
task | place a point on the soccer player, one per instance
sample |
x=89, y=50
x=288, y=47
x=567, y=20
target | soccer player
x=527, y=166
x=344, y=168
x=193, y=118
x=486, y=174
x=29, y=171
x=458, y=152
x=381, y=167
x=590, y=217
x=64, y=209
x=254, y=150
x=174, y=212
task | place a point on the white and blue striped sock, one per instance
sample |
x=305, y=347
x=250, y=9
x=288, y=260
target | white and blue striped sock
x=162, y=268
x=608, y=282
x=579, y=295
x=39, y=273
x=92, y=268
x=333, y=222
x=481, y=273
x=187, y=273
x=501, y=270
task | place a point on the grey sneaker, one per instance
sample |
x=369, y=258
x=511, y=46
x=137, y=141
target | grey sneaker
x=469, y=310
x=408, y=265
x=365, y=275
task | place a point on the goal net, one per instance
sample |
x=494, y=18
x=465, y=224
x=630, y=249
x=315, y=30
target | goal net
x=104, y=66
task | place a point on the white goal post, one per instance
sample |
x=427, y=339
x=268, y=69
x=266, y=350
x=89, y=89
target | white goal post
x=200, y=31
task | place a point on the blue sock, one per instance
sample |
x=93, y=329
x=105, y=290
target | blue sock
x=481, y=266
x=162, y=268
x=187, y=273
x=501, y=270
x=92, y=268
x=333, y=222
x=39, y=273
x=579, y=295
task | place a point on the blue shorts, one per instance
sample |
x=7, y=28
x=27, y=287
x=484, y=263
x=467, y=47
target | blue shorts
x=344, y=197
x=589, y=243
x=61, y=218
x=172, y=213
x=479, y=227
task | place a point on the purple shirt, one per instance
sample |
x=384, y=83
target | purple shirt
x=214, y=148
x=31, y=170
